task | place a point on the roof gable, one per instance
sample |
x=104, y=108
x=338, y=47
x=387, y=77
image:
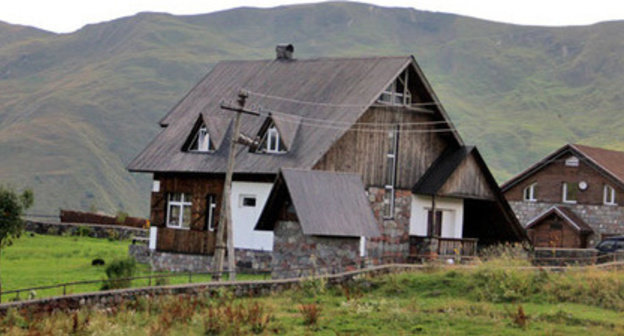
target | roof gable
x=338, y=90
x=326, y=203
x=607, y=162
x=566, y=214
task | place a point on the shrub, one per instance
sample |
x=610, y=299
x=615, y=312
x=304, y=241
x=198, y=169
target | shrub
x=312, y=287
x=84, y=231
x=118, y=271
x=311, y=313
x=121, y=216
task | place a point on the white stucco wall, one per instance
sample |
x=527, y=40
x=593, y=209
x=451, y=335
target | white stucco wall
x=452, y=215
x=244, y=218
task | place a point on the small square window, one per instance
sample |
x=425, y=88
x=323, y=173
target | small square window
x=247, y=201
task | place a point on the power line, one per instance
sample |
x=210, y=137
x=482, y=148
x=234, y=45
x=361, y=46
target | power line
x=304, y=102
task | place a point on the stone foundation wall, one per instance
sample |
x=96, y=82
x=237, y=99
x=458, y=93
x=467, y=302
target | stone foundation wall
x=91, y=230
x=603, y=219
x=177, y=262
x=564, y=256
x=296, y=254
x=393, y=245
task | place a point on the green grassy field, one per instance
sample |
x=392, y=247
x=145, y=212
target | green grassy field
x=42, y=260
x=483, y=301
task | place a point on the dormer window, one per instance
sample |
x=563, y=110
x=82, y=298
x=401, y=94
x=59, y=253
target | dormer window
x=397, y=93
x=530, y=193
x=609, y=195
x=202, y=141
x=272, y=142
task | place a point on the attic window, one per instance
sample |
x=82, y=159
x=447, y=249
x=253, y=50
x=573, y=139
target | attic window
x=271, y=141
x=572, y=161
x=201, y=141
x=609, y=195
x=397, y=93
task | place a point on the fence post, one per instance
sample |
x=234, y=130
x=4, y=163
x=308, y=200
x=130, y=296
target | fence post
x=149, y=280
x=190, y=277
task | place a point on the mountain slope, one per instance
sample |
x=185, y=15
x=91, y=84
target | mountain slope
x=75, y=108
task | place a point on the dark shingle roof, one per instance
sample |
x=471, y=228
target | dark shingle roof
x=332, y=82
x=566, y=214
x=326, y=203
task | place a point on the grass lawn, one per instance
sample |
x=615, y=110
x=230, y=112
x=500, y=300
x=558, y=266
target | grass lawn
x=435, y=303
x=41, y=260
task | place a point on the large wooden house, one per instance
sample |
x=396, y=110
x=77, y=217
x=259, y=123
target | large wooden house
x=376, y=117
x=572, y=198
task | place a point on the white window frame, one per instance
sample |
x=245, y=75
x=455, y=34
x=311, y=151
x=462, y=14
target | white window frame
x=391, y=156
x=273, y=141
x=212, y=206
x=182, y=203
x=392, y=97
x=201, y=143
x=565, y=194
x=531, y=190
x=572, y=161
x=608, y=195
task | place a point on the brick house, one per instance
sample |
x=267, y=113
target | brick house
x=377, y=117
x=571, y=198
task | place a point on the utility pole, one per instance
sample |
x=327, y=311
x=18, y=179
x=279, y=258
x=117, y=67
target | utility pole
x=225, y=218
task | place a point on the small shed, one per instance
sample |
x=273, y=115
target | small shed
x=320, y=221
x=559, y=227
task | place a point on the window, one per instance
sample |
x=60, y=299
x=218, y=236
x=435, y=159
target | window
x=247, y=201
x=211, y=206
x=271, y=141
x=397, y=93
x=179, y=211
x=201, y=142
x=572, y=161
x=570, y=190
x=530, y=193
x=434, y=230
x=609, y=195
x=391, y=164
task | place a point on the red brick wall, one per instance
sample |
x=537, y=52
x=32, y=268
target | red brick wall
x=550, y=179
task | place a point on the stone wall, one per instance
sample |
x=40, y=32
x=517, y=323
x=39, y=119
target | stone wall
x=564, y=256
x=104, y=299
x=296, y=254
x=603, y=219
x=393, y=245
x=178, y=262
x=91, y=230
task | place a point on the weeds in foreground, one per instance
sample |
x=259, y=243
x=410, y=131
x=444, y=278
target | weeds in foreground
x=233, y=319
x=310, y=313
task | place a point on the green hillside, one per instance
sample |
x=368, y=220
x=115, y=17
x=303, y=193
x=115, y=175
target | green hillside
x=76, y=108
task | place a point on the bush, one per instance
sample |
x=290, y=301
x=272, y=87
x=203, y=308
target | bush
x=311, y=313
x=121, y=216
x=117, y=272
x=84, y=231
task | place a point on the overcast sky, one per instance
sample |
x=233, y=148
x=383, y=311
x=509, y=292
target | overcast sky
x=70, y=15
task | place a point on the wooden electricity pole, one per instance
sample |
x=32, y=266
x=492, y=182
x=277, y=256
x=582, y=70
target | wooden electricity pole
x=225, y=218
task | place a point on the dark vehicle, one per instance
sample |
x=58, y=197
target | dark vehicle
x=610, y=245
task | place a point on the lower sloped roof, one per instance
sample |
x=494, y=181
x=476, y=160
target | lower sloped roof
x=569, y=217
x=326, y=203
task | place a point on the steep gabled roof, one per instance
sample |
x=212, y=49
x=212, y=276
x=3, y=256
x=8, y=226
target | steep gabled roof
x=569, y=216
x=608, y=162
x=326, y=203
x=339, y=90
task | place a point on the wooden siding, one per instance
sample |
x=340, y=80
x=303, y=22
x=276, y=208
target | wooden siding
x=364, y=152
x=553, y=231
x=550, y=179
x=196, y=239
x=468, y=181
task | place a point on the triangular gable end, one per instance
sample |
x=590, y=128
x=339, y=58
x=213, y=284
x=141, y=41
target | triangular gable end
x=468, y=181
x=206, y=134
x=287, y=126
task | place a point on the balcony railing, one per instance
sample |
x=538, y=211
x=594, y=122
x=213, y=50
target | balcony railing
x=420, y=246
